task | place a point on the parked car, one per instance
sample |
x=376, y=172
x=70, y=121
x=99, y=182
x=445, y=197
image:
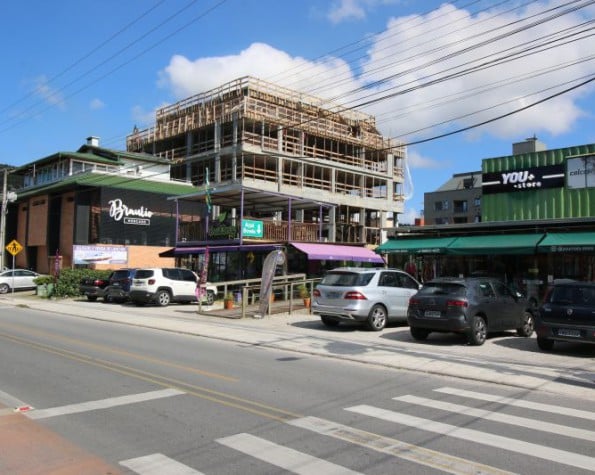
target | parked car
x=165, y=285
x=473, y=306
x=566, y=314
x=17, y=279
x=94, y=287
x=373, y=296
x=119, y=285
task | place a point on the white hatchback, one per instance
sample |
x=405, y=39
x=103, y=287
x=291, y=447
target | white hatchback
x=17, y=279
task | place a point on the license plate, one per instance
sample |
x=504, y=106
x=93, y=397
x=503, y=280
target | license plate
x=432, y=314
x=334, y=295
x=568, y=332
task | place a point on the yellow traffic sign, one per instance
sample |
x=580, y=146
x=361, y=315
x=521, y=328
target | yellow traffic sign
x=14, y=247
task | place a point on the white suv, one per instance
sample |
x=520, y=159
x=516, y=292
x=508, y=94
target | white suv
x=165, y=285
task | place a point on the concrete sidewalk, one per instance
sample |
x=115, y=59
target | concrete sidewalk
x=503, y=359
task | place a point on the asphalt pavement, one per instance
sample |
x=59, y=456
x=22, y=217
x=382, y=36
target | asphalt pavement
x=504, y=359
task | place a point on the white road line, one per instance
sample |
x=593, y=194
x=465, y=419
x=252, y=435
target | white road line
x=396, y=448
x=565, y=411
x=11, y=401
x=500, y=417
x=158, y=464
x=283, y=457
x=102, y=404
x=492, y=440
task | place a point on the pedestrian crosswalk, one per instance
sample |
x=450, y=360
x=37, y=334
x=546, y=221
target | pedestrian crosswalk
x=476, y=418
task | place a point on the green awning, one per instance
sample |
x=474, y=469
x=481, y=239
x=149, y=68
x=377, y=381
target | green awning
x=568, y=242
x=415, y=246
x=495, y=244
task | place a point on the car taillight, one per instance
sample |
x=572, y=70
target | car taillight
x=354, y=296
x=152, y=281
x=316, y=293
x=457, y=303
x=413, y=301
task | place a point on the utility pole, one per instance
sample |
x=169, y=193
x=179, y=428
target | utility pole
x=6, y=197
x=3, y=219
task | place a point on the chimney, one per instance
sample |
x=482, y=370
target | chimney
x=93, y=141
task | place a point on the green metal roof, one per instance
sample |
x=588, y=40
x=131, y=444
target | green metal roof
x=111, y=181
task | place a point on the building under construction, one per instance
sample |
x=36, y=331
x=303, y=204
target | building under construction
x=308, y=169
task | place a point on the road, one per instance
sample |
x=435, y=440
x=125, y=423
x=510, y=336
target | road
x=127, y=399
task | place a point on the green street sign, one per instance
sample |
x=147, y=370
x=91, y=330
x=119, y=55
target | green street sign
x=252, y=228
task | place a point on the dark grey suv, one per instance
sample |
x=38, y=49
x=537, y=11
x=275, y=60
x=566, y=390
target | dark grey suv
x=473, y=306
x=566, y=314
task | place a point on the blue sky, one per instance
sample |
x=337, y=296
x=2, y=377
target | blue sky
x=75, y=68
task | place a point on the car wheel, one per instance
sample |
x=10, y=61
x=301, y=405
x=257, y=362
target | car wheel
x=479, y=331
x=545, y=344
x=163, y=298
x=4, y=288
x=377, y=318
x=108, y=299
x=419, y=333
x=210, y=297
x=91, y=298
x=329, y=321
x=528, y=325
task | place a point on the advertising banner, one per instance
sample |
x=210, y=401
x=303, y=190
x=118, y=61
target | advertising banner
x=86, y=255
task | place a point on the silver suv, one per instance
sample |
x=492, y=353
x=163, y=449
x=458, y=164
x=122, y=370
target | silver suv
x=165, y=285
x=373, y=296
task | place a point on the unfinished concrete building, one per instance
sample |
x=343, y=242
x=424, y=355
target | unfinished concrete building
x=261, y=136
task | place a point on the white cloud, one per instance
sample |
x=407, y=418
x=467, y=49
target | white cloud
x=50, y=95
x=96, y=104
x=412, y=51
x=345, y=10
x=186, y=77
x=415, y=160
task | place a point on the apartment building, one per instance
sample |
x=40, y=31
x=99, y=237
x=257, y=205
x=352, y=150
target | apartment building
x=277, y=167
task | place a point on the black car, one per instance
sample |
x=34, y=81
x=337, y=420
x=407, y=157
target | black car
x=566, y=314
x=473, y=306
x=119, y=285
x=94, y=287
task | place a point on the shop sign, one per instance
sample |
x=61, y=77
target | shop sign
x=119, y=211
x=580, y=172
x=531, y=178
x=252, y=228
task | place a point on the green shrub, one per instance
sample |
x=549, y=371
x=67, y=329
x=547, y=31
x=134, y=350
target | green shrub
x=43, y=280
x=69, y=280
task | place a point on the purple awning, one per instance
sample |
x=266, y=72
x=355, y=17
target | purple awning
x=336, y=252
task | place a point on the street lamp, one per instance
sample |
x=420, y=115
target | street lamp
x=7, y=196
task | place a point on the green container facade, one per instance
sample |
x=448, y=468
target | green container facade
x=548, y=203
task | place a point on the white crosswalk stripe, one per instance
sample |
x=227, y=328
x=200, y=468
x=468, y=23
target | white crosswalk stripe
x=157, y=464
x=492, y=440
x=283, y=457
x=500, y=417
x=565, y=411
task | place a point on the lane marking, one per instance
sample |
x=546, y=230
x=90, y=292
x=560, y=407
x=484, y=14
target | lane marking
x=500, y=417
x=283, y=457
x=564, y=411
x=396, y=448
x=102, y=403
x=11, y=401
x=492, y=440
x=158, y=464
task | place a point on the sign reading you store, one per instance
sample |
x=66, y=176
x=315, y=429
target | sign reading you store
x=530, y=178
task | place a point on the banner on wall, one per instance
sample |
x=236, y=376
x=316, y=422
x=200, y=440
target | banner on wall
x=86, y=255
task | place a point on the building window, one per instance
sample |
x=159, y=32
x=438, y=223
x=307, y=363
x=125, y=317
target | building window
x=460, y=206
x=441, y=205
x=477, y=201
x=441, y=220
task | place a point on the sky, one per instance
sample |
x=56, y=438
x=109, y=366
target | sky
x=456, y=81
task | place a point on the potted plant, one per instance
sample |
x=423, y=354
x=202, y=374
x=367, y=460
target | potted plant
x=228, y=301
x=304, y=294
x=45, y=285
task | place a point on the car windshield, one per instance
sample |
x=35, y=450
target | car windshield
x=572, y=294
x=347, y=279
x=443, y=288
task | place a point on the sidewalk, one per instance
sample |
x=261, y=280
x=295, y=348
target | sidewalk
x=506, y=359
